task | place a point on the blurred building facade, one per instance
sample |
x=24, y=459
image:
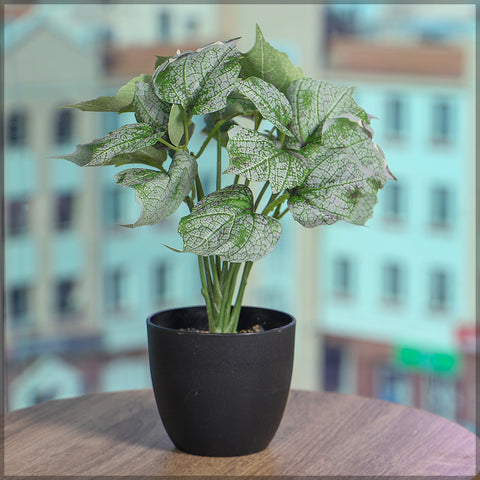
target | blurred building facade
x=398, y=307
x=385, y=310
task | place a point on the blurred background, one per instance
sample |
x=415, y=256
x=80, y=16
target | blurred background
x=386, y=310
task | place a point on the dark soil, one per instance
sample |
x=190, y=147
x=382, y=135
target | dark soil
x=255, y=329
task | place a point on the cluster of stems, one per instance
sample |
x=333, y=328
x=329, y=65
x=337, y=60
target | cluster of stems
x=223, y=287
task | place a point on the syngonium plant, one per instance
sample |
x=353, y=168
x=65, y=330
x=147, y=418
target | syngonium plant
x=307, y=142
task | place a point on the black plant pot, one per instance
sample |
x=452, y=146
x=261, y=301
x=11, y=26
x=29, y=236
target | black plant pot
x=220, y=395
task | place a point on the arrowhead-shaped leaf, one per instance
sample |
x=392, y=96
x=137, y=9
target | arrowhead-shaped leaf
x=200, y=81
x=128, y=144
x=121, y=102
x=265, y=62
x=126, y=139
x=271, y=103
x=160, y=193
x=149, y=109
x=257, y=158
x=315, y=101
x=347, y=172
x=223, y=224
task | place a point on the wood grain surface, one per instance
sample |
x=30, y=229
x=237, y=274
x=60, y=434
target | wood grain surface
x=322, y=434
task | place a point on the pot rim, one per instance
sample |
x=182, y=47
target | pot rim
x=290, y=324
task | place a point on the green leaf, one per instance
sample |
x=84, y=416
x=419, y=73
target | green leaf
x=121, y=102
x=315, y=101
x=265, y=62
x=160, y=193
x=148, y=156
x=346, y=173
x=150, y=109
x=126, y=139
x=161, y=60
x=200, y=81
x=84, y=153
x=175, y=124
x=270, y=102
x=223, y=224
x=257, y=158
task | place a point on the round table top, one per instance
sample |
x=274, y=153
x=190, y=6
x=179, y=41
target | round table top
x=121, y=434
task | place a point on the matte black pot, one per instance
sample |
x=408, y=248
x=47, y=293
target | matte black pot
x=219, y=394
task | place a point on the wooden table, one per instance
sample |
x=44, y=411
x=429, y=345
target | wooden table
x=322, y=434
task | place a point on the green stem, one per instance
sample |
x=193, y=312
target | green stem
x=260, y=195
x=169, y=145
x=189, y=203
x=233, y=324
x=236, y=179
x=210, y=136
x=278, y=217
x=206, y=293
x=229, y=290
x=198, y=185
x=219, y=161
x=277, y=201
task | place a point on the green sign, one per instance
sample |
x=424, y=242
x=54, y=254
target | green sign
x=425, y=361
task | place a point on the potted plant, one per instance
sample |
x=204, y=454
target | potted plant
x=221, y=372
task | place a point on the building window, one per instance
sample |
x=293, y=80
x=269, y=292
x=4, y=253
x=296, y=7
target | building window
x=393, y=283
x=17, y=216
x=114, y=210
x=394, y=201
x=64, y=211
x=332, y=368
x=16, y=128
x=115, y=289
x=439, y=396
x=394, y=385
x=441, y=207
x=439, y=290
x=441, y=122
x=18, y=303
x=160, y=282
x=342, y=276
x=63, y=126
x=65, y=296
x=395, y=118
x=165, y=25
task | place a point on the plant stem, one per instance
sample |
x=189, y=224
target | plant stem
x=226, y=306
x=233, y=324
x=260, y=195
x=169, y=145
x=273, y=203
x=206, y=293
x=278, y=217
x=219, y=160
x=198, y=184
x=210, y=136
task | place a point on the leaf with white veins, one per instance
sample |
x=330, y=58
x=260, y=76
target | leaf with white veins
x=347, y=172
x=200, y=81
x=121, y=102
x=258, y=158
x=315, y=101
x=159, y=193
x=150, y=109
x=271, y=103
x=126, y=139
x=224, y=224
x=266, y=62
